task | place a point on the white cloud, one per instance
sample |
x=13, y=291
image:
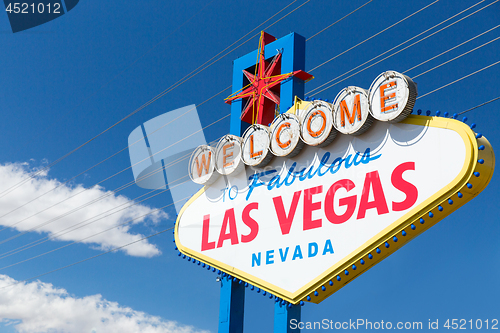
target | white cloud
x=39, y=307
x=11, y=174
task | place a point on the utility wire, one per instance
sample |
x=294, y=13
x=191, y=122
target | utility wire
x=455, y=58
x=85, y=238
x=57, y=234
x=130, y=183
x=95, y=200
x=179, y=82
x=480, y=105
x=109, y=157
x=331, y=25
x=140, y=57
x=460, y=79
x=378, y=33
x=393, y=54
x=107, y=194
x=87, y=259
x=440, y=54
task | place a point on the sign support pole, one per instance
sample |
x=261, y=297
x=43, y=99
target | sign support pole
x=232, y=306
x=232, y=297
x=283, y=314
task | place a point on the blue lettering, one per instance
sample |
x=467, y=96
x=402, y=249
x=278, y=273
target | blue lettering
x=338, y=160
x=328, y=247
x=254, y=182
x=308, y=172
x=273, y=182
x=348, y=162
x=311, y=246
x=283, y=255
x=290, y=173
x=269, y=257
x=356, y=161
x=307, y=175
x=322, y=163
x=367, y=158
x=297, y=253
x=255, y=259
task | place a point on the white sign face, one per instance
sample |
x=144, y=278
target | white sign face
x=286, y=227
x=351, y=111
x=255, y=146
x=316, y=124
x=392, y=96
x=202, y=166
x=285, y=135
x=228, y=155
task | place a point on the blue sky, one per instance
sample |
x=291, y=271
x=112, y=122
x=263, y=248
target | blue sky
x=68, y=80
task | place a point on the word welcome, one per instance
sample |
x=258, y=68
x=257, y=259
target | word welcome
x=390, y=98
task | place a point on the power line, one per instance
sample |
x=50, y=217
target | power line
x=175, y=85
x=109, y=157
x=97, y=199
x=85, y=238
x=57, y=234
x=480, y=105
x=393, y=54
x=87, y=259
x=440, y=54
x=457, y=57
x=460, y=79
x=331, y=25
x=124, y=186
x=378, y=33
x=107, y=194
x=140, y=57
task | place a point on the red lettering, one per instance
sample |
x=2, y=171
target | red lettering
x=284, y=220
x=350, y=202
x=233, y=233
x=205, y=244
x=310, y=206
x=250, y=222
x=372, y=181
x=407, y=188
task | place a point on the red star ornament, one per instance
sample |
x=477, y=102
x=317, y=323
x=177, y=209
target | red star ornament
x=261, y=95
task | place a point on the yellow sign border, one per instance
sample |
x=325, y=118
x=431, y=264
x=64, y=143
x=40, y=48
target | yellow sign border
x=472, y=179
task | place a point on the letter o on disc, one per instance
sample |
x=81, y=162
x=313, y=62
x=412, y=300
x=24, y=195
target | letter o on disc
x=255, y=146
x=351, y=111
x=202, y=166
x=285, y=135
x=228, y=155
x=392, y=96
x=316, y=124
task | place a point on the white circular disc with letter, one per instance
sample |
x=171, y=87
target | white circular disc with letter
x=316, y=124
x=285, y=135
x=228, y=155
x=392, y=96
x=255, y=146
x=351, y=111
x=202, y=165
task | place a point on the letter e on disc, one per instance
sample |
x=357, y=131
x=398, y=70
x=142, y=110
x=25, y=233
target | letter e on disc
x=228, y=155
x=392, y=96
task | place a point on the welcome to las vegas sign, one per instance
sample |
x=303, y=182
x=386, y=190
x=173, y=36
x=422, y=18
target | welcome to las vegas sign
x=303, y=207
